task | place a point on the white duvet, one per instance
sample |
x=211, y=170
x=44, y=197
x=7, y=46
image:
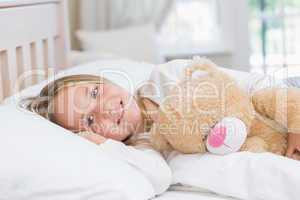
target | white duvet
x=40, y=160
x=242, y=175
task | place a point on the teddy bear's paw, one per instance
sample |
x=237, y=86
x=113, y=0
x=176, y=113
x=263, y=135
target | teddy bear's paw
x=255, y=145
x=278, y=145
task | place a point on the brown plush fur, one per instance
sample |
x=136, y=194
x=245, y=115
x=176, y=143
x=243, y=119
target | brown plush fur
x=196, y=104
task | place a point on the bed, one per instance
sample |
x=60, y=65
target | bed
x=34, y=42
x=39, y=166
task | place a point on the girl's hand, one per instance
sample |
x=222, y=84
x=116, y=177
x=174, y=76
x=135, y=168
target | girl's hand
x=93, y=137
x=293, y=149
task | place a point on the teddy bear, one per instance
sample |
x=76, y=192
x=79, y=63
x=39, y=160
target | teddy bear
x=191, y=111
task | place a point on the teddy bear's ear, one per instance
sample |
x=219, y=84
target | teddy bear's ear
x=199, y=74
x=202, y=61
x=201, y=66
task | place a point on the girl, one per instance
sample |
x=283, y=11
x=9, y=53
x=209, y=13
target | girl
x=106, y=114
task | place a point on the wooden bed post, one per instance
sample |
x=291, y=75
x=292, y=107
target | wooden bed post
x=64, y=40
x=34, y=39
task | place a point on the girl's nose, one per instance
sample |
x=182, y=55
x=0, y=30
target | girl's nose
x=109, y=110
x=112, y=115
x=107, y=113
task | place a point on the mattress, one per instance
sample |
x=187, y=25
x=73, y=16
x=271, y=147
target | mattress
x=190, y=195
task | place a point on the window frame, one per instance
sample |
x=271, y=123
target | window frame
x=266, y=18
x=234, y=44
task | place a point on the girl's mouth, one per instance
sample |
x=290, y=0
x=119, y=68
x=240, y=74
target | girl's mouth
x=122, y=112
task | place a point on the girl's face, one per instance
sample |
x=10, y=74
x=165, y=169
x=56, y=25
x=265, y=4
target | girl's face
x=105, y=109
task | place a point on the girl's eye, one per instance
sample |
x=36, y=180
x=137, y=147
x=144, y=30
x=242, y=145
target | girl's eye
x=95, y=92
x=90, y=120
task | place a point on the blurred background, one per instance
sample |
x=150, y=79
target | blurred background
x=250, y=35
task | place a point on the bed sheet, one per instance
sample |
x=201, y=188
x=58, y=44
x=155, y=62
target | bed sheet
x=191, y=195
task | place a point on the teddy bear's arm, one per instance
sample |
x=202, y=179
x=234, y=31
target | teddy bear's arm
x=158, y=134
x=158, y=141
x=281, y=105
x=255, y=144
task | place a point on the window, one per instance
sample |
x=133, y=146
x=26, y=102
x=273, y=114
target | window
x=275, y=34
x=190, y=25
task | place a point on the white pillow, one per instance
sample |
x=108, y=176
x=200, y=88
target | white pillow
x=127, y=74
x=252, y=82
x=81, y=57
x=293, y=81
x=137, y=43
x=241, y=175
x=40, y=160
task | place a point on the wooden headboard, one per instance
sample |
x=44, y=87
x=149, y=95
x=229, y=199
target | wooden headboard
x=34, y=41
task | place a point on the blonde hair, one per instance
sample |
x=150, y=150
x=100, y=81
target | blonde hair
x=43, y=103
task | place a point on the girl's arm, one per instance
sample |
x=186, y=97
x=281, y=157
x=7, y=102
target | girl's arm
x=148, y=161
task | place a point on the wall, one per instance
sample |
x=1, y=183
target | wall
x=233, y=19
